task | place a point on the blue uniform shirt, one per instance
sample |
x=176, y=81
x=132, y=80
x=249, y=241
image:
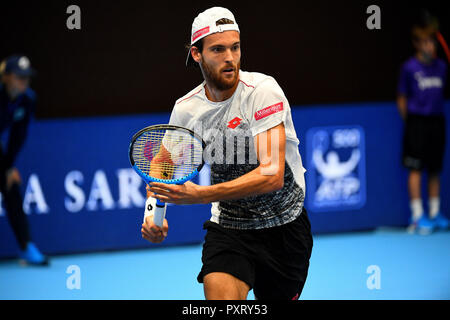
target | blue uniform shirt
x=14, y=115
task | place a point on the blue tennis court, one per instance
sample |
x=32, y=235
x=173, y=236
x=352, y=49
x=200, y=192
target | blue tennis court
x=410, y=267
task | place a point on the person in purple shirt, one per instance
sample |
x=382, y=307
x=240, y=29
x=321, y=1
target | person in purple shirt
x=420, y=100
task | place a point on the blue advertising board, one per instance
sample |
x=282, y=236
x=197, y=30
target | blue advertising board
x=80, y=193
x=376, y=194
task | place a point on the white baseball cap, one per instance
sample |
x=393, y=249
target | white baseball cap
x=205, y=24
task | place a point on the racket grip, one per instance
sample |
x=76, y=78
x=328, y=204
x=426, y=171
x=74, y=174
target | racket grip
x=155, y=208
x=150, y=206
x=160, y=213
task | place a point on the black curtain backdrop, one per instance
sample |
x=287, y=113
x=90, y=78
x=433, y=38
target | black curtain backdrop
x=129, y=55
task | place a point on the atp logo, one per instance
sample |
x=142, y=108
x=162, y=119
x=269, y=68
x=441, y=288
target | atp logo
x=336, y=168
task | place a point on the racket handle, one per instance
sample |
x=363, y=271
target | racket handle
x=150, y=206
x=160, y=213
x=155, y=208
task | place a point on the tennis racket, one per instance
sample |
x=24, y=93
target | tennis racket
x=168, y=154
x=444, y=45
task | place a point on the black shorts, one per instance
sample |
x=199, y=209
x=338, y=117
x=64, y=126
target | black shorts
x=274, y=261
x=424, y=143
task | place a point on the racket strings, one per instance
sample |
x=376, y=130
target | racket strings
x=166, y=154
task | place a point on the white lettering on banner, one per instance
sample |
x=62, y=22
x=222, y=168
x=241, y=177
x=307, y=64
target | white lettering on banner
x=34, y=195
x=100, y=192
x=129, y=184
x=76, y=201
x=99, y=197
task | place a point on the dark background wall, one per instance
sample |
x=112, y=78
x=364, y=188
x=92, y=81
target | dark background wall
x=129, y=55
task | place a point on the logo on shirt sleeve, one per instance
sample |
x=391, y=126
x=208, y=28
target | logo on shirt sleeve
x=261, y=114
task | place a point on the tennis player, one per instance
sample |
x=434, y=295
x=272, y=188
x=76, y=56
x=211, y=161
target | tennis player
x=421, y=103
x=259, y=235
x=17, y=103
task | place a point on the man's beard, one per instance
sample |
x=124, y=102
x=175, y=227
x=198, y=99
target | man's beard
x=216, y=79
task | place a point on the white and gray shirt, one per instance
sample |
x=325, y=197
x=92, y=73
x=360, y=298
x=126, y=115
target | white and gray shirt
x=228, y=129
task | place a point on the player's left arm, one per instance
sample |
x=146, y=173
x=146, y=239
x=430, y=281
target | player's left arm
x=267, y=177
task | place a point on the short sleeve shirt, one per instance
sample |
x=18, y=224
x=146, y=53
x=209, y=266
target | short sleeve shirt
x=423, y=85
x=228, y=129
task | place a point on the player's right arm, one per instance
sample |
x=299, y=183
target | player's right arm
x=404, y=83
x=402, y=103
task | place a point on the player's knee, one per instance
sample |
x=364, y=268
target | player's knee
x=223, y=286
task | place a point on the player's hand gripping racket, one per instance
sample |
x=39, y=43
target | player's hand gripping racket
x=167, y=154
